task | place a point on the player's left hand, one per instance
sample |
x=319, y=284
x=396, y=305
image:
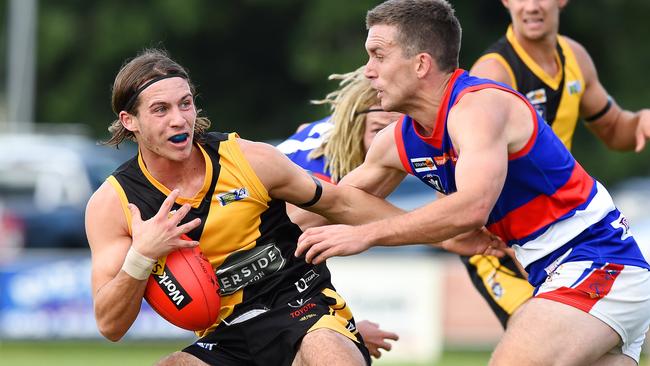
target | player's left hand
x=642, y=132
x=320, y=243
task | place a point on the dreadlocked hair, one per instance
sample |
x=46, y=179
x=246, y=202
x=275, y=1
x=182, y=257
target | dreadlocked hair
x=343, y=146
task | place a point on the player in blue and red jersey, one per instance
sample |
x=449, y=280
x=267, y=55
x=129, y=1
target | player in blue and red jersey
x=559, y=78
x=507, y=178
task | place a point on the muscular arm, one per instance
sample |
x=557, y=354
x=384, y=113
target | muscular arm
x=116, y=295
x=377, y=175
x=286, y=181
x=619, y=129
x=479, y=135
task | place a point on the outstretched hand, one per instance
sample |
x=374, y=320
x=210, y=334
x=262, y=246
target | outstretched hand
x=375, y=338
x=319, y=243
x=161, y=234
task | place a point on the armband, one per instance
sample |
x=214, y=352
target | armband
x=317, y=194
x=137, y=265
x=602, y=111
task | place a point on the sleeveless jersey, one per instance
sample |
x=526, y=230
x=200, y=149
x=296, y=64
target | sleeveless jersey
x=557, y=98
x=548, y=204
x=245, y=234
x=299, y=145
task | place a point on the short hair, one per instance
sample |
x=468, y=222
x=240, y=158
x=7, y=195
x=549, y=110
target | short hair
x=343, y=147
x=149, y=64
x=422, y=26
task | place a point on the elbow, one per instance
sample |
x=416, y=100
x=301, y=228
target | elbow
x=475, y=218
x=110, y=332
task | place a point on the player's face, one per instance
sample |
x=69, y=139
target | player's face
x=375, y=122
x=390, y=73
x=535, y=20
x=164, y=126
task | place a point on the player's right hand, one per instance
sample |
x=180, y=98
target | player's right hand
x=319, y=243
x=161, y=234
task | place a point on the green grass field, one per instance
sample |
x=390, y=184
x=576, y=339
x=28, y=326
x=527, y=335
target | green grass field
x=99, y=353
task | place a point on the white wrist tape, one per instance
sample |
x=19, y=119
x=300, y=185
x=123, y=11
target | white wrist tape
x=137, y=265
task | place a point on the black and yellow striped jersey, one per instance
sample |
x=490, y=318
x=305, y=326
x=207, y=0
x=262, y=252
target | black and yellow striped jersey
x=245, y=234
x=556, y=98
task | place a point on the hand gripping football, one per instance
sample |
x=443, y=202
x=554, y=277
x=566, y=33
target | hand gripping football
x=183, y=289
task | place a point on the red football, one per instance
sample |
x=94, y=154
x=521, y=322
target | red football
x=184, y=290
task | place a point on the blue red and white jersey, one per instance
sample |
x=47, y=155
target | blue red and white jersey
x=299, y=145
x=548, y=206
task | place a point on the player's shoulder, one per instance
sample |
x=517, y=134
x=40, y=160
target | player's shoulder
x=577, y=48
x=384, y=142
x=255, y=148
x=493, y=67
x=105, y=211
x=104, y=195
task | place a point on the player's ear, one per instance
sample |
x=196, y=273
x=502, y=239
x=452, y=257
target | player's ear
x=505, y=3
x=562, y=3
x=127, y=120
x=423, y=64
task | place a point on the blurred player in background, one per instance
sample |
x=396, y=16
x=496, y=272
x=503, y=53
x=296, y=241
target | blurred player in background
x=332, y=147
x=500, y=166
x=558, y=77
x=228, y=195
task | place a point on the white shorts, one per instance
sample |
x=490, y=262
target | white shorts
x=616, y=294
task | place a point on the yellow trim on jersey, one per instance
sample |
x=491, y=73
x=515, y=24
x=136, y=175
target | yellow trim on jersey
x=500, y=59
x=515, y=290
x=193, y=201
x=123, y=200
x=552, y=82
x=339, y=317
x=568, y=110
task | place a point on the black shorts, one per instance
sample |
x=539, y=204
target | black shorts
x=500, y=283
x=273, y=336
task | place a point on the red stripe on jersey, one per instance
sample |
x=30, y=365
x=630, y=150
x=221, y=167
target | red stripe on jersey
x=399, y=142
x=436, y=137
x=588, y=292
x=543, y=210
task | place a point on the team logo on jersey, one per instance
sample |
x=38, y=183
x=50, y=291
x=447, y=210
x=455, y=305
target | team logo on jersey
x=434, y=182
x=298, y=303
x=537, y=96
x=303, y=311
x=573, y=87
x=495, y=286
x=245, y=267
x=444, y=158
x=351, y=327
x=207, y=346
x=303, y=284
x=423, y=164
x=621, y=223
x=231, y=196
